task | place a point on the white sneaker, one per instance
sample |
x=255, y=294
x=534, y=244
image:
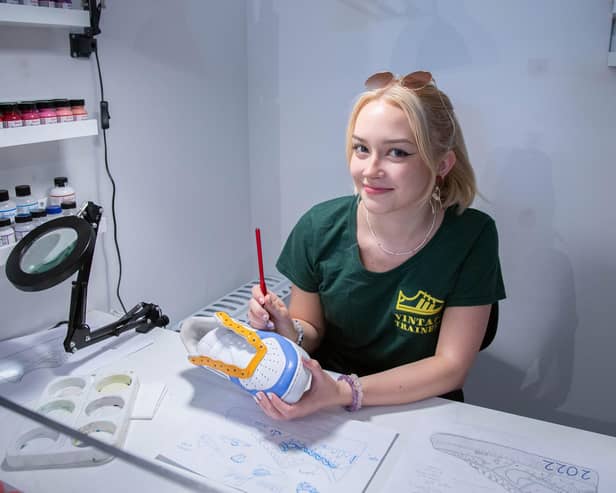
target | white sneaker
x=256, y=360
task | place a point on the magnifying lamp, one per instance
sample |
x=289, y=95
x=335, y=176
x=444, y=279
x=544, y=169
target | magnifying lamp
x=53, y=252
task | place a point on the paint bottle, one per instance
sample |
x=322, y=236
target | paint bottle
x=69, y=208
x=24, y=200
x=8, y=209
x=63, y=110
x=2, y=105
x=29, y=114
x=7, y=233
x=12, y=116
x=39, y=216
x=47, y=112
x=78, y=108
x=23, y=225
x=61, y=192
x=53, y=211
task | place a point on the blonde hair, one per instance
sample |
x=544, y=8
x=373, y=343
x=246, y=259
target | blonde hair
x=436, y=131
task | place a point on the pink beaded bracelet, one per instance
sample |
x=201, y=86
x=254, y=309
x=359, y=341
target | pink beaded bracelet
x=356, y=391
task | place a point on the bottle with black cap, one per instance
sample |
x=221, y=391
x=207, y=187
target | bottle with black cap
x=39, y=216
x=8, y=210
x=24, y=200
x=61, y=192
x=7, y=233
x=23, y=225
x=69, y=208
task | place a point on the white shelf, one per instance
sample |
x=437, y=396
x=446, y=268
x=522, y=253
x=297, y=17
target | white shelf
x=27, y=15
x=45, y=133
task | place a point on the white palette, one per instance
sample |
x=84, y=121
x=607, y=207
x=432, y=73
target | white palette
x=99, y=405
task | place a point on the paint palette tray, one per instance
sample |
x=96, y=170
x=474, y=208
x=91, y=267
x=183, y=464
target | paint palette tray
x=99, y=405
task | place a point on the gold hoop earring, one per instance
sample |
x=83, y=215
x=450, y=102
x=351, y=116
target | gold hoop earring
x=436, y=193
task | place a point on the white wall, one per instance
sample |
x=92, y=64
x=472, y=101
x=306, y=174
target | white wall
x=175, y=77
x=530, y=83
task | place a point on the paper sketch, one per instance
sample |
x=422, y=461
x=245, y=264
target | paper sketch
x=250, y=452
x=518, y=471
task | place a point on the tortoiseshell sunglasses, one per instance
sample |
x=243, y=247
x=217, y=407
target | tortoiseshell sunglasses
x=415, y=80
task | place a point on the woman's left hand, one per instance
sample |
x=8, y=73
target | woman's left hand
x=324, y=392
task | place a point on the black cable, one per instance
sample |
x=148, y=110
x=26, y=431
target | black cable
x=100, y=76
x=113, y=185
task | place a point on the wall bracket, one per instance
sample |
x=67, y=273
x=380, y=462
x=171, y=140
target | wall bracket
x=82, y=45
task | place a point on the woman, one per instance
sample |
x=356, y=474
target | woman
x=396, y=283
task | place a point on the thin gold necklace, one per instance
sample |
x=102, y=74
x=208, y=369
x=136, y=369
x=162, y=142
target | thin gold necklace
x=405, y=252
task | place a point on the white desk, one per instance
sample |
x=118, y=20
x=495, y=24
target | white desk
x=443, y=446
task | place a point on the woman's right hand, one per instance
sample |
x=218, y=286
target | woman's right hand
x=270, y=313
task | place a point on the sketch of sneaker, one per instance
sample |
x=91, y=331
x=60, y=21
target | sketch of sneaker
x=515, y=470
x=255, y=360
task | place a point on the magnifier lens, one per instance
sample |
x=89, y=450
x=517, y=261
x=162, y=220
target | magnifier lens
x=49, y=251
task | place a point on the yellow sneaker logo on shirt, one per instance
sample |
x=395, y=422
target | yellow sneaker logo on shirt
x=419, y=314
x=421, y=304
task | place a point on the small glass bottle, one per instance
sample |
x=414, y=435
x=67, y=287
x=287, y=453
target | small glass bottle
x=12, y=116
x=29, y=114
x=23, y=225
x=7, y=233
x=78, y=108
x=39, y=216
x=61, y=192
x=63, y=110
x=47, y=112
x=8, y=209
x=69, y=208
x=24, y=200
x=54, y=211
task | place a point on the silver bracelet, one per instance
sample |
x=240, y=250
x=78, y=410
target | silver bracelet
x=299, y=328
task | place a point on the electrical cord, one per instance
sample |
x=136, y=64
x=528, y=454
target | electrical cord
x=105, y=126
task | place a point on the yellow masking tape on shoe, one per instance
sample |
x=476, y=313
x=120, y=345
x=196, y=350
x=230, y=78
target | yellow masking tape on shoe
x=234, y=371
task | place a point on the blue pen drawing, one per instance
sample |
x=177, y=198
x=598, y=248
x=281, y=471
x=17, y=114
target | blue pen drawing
x=262, y=481
x=518, y=471
x=293, y=448
x=246, y=450
x=305, y=487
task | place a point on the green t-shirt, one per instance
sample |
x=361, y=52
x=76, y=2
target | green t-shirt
x=380, y=320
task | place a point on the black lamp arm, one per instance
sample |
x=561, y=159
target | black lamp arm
x=143, y=317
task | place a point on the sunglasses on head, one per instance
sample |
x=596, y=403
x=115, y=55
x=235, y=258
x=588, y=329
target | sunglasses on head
x=414, y=81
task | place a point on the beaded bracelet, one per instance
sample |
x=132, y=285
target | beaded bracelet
x=356, y=391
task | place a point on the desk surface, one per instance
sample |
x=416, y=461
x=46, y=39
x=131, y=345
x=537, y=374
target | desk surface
x=443, y=446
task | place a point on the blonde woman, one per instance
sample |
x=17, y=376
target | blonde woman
x=392, y=288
